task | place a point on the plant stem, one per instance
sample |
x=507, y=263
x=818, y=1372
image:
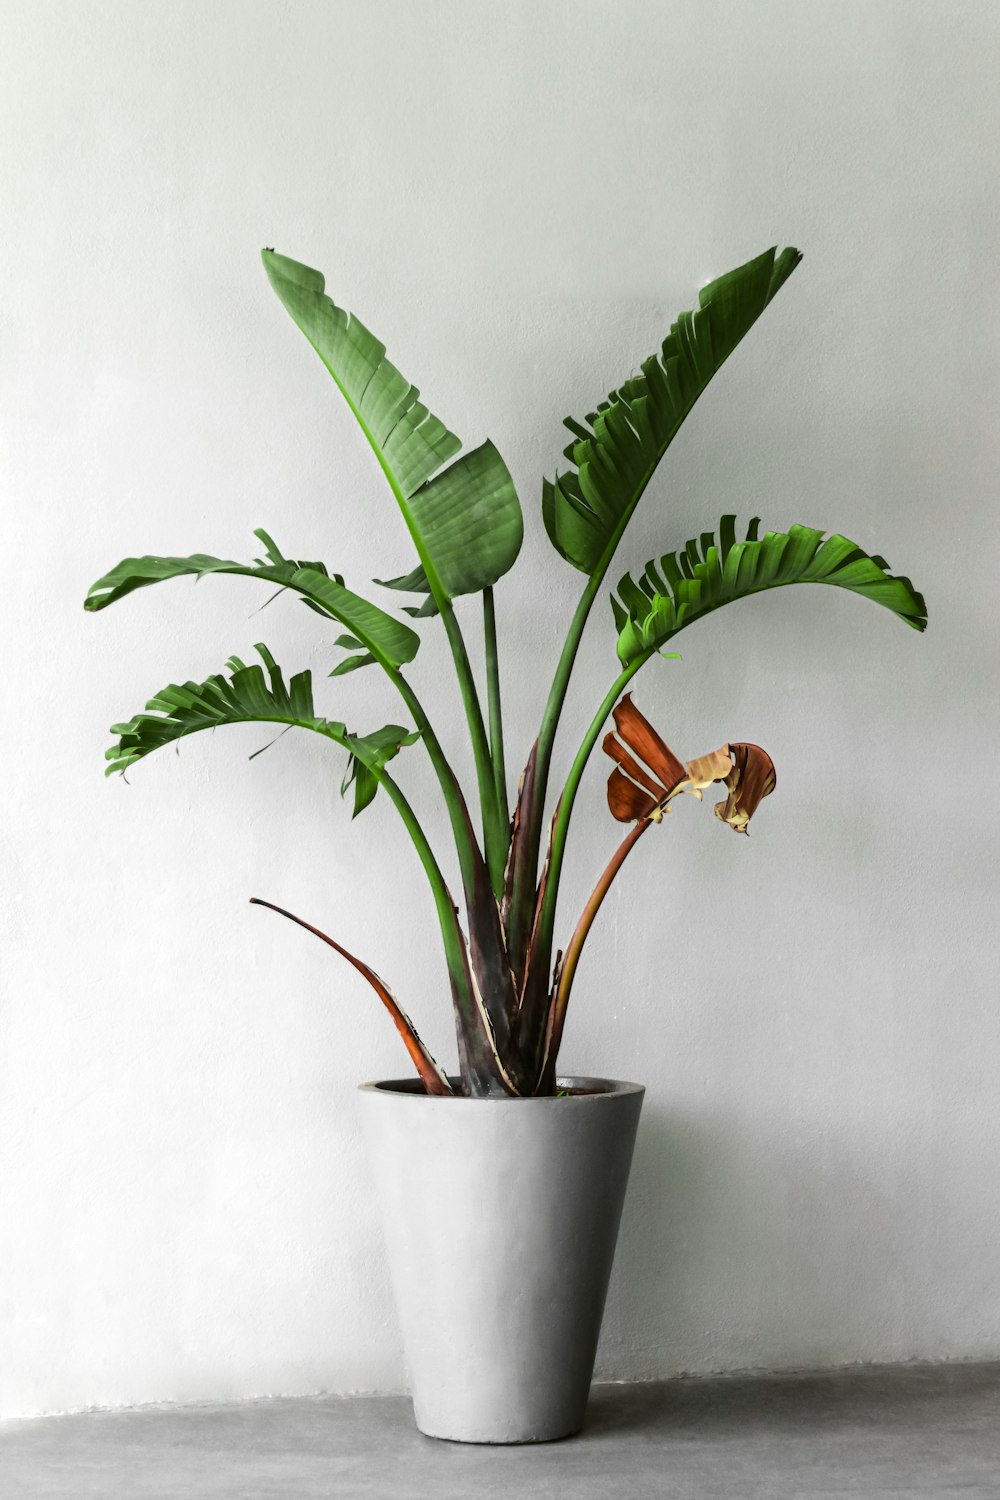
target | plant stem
x=560, y=684
x=451, y=790
x=456, y=954
x=435, y=1081
x=565, y=809
x=494, y=826
x=493, y=696
x=567, y=970
x=442, y=896
x=564, y=669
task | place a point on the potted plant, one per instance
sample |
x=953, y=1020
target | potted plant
x=502, y=1183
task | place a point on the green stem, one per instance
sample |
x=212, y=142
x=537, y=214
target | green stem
x=442, y=897
x=567, y=970
x=560, y=829
x=525, y=868
x=451, y=790
x=451, y=933
x=493, y=696
x=494, y=825
x=488, y=1078
x=560, y=685
x=564, y=669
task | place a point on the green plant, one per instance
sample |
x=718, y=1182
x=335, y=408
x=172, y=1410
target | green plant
x=509, y=991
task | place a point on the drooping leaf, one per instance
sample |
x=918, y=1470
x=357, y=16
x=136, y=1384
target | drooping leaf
x=683, y=586
x=751, y=779
x=638, y=734
x=641, y=794
x=247, y=697
x=465, y=521
x=414, y=582
x=379, y=633
x=433, y=1078
x=368, y=754
x=644, y=782
x=618, y=448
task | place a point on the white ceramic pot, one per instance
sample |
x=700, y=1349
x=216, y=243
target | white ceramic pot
x=501, y=1217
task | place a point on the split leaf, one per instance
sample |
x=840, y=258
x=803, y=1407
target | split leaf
x=617, y=449
x=682, y=587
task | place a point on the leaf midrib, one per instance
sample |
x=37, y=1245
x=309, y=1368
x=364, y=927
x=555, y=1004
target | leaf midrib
x=441, y=597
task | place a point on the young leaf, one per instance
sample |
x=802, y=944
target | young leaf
x=586, y=512
x=465, y=521
x=368, y=754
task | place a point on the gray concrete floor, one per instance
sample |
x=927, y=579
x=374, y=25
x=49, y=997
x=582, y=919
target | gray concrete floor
x=884, y=1433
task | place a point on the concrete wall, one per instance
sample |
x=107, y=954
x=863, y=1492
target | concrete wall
x=518, y=198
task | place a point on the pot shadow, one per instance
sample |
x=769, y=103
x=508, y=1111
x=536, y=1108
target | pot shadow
x=796, y=1404
x=741, y=1251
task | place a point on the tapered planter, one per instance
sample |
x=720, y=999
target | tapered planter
x=501, y=1217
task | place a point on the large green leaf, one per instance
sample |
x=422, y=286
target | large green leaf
x=248, y=697
x=684, y=586
x=466, y=520
x=586, y=512
x=377, y=633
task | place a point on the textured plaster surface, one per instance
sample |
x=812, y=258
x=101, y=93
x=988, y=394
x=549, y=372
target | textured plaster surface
x=517, y=198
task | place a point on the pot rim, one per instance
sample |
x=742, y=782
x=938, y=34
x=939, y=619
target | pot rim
x=596, y=1089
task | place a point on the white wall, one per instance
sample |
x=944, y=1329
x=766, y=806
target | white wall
x=518, y=198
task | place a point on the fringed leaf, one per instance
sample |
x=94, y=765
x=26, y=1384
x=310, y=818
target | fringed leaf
x=679, y=588
x=248, y=697
x=616, y=453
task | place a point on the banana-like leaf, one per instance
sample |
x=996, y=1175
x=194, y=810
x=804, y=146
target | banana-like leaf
x=247, y=697
x=465, y=521
x=377, y=633
x=586, y=512
x=709, y=572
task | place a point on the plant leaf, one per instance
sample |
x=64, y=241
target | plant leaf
x=465, y=521
x=368, y=754
x=433, y=1078
x=751, y=779
x=414, y=582
x=245, y=697
x=639, y=735
x=615, y=455
x=682, y=587
x=637, y=795
x=351, y=664
x=381, y=635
